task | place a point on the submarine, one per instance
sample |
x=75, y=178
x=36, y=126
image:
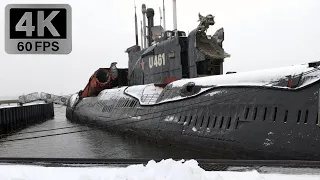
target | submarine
x=175, y=91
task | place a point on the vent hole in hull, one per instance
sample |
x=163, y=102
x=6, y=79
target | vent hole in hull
x=299, y=116
x=214, y=122
x=195, y=122
x=306, y=117
x=246, y=113
x=285, y=116
x=275, y=114
x=185, y=119
x=255, y=113
x=237, y=121
x=221, y=122
x=202, y=121
x=229, y=123
x=265, y=113
x=190, y=119
x=208, y=122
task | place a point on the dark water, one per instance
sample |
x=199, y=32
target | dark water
x=88, y=144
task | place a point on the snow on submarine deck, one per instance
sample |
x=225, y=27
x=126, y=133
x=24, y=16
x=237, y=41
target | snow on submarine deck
x=301, y=76
x=149, y=94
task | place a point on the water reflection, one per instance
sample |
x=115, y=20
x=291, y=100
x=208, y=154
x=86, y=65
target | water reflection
x=88, y=144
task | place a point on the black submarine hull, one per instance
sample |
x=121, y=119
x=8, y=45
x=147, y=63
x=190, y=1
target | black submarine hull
x=234, y=122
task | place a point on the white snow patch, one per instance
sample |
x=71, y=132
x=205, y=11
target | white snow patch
x=164, y=170
x=117, y=93
x=252, y=78
x=34, y=103
x=137, y=117
x=213, y=93
x=8, y=105
x=194, y=129
x=172, y=99
x=268, y=142
x=171, y=118
x=147, y=94
x=16, y=105
x=179, y=97
x=270, y=133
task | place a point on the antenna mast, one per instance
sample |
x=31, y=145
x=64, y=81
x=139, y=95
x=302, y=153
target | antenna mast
x=164, y=16
x=174, y=6
x=160, y=15
x=136, y=23
x=141, y=37
x=144, y=11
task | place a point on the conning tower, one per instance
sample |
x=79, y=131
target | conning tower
x=171, y=55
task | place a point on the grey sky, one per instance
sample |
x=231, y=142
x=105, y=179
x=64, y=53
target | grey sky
x=258, y=34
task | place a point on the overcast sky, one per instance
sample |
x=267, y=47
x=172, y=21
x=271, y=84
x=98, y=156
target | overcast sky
x=258, y=34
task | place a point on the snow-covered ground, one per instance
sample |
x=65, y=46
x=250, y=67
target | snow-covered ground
x=165, y=170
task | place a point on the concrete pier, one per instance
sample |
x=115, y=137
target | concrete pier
x=18, y=117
